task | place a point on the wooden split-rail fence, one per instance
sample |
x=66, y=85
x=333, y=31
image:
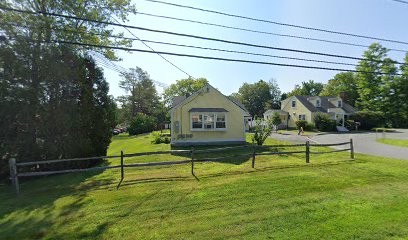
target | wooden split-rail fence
x=15, y=174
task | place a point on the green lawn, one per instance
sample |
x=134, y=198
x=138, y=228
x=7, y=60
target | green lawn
x=395, y=142
x=282, y=198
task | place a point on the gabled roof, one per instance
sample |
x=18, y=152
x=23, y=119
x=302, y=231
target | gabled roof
x=179, y=100
x=325, y=104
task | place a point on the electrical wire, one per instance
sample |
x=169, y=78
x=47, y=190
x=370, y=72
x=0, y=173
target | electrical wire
x=262, y=32
x=214, y=58
x=195, y=36
x=279, y=23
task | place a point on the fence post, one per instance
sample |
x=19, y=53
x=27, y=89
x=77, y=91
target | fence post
x=253, y=153
x=192, y=160
x=14, y=175
x=122, y=171
x=351, y=149
x=307, y=151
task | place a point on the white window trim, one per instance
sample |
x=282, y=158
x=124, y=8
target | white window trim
x=292, y=103
x=300, y=118
x=318, y=103
x=339, y=105
x=202, y=124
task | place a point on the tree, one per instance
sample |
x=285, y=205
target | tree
x=275, y=94
x=256, y=97
x=276, y=120
x=342, y=85
x=311, y=88
x=368, y=81
x=55, y=99
x=262, y=130
x=183, y=87
x=401, y=91
x=142, y=96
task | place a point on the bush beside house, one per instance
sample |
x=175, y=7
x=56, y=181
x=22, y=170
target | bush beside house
x=369, y=119
x=323, y=122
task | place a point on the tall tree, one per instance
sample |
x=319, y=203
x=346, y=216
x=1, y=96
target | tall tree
x=50, y=85
x=310, y=87
x=276, y=94
x=256, y=97
x=142, y=96
x=183, y=87
x=368, y=81
x=343, y=85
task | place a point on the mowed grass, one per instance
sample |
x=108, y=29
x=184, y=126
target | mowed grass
x=333, y=197
x=395, y=142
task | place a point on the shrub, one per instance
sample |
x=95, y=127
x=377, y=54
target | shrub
x=301, y=123
x=159, y=138
x=369, y=119
x=262, y=130
x=309, y=127
x=276, y=120
x=350, y=124
x=141, y=123
x=323, y=122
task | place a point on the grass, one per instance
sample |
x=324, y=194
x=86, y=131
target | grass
x=394, y=142
x=282, y=198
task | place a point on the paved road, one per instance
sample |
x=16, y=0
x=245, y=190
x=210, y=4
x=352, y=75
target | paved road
x=363, y=142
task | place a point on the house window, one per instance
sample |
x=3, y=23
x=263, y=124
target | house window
x=208, y=121
x=302, y=117
x=197, y=120
x=339, y=103
x=317, y=103
x=294, y=103
x=220, y=123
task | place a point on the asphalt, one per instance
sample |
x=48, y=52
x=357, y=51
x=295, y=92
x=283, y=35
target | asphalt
x=364, y=142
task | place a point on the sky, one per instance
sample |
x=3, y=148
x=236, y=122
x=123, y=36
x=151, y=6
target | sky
x=378, y=18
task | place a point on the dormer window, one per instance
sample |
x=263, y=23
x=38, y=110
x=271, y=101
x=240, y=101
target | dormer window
x=317, y=103
x=293, y=103
x=339, y=104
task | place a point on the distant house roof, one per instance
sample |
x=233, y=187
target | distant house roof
x=325, y=104
x=208, y=110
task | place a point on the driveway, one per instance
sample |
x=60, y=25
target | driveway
x=364, y=142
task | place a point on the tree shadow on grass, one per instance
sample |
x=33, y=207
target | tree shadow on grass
x=29, y=215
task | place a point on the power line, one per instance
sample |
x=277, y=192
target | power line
x=213, y=49
x=119, y=69
x=195, y=36
x=174, y=65
x=279, y=23
x=214, y=58
x=262, y=32
x=400, y=1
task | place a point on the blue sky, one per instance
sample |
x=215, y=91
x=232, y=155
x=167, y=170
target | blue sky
x=379, y=18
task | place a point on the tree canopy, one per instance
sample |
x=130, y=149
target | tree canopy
x=343, y=85
x=183, y=87
x=310, y=87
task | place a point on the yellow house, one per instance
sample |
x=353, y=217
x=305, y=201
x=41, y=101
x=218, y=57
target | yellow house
x=305, y=107
x=207, y=117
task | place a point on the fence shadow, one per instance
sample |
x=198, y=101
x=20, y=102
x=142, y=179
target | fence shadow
x=249, y=171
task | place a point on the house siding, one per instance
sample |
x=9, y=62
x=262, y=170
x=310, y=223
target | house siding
x=235, y=125
x=300, y=109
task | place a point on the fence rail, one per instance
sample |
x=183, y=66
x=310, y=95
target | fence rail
x=14, y=174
